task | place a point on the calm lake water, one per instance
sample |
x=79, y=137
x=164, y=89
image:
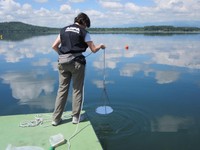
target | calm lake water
x=153, y=87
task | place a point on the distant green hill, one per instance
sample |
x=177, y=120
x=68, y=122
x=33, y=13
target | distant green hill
x=19, y=27
x=17, y=31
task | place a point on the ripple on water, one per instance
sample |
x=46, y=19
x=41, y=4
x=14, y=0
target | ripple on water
x=124, y=120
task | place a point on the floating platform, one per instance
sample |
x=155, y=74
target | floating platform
x=22, y=130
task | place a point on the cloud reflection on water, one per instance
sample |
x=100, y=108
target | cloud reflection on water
x=143, y=54
x=41, y=62
x=162, y=77
x=169, y=123
x=17, y=51
x=145, y=51
x=28, y=86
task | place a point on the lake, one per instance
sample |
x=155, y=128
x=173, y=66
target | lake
x=153, y=87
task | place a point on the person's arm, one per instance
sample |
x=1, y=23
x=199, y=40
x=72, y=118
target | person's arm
x=95, y=48
x=91, y=45
x=56, y=44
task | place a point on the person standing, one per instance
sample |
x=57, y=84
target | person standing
x=72, y=41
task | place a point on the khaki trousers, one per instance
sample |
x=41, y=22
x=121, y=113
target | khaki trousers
x=68, y=71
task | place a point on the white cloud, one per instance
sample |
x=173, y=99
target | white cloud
x=113, y=13
x=42, y=12
x=9, y=5
x=13, y=11
x=65, y=8
x=132, y=7
x=95, y=13
x=76, y=1
x=111, y=5
x=177, y=7
x=41, y=1
x=96, y=17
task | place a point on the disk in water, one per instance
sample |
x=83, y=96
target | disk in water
x=104, y=110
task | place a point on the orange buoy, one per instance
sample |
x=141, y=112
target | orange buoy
x=126, y=47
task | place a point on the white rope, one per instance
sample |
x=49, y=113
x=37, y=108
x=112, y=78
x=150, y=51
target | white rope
x=106, y=98
x=77, y=126
x=38, y=120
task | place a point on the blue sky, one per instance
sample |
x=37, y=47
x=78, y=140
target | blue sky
x=103, y=13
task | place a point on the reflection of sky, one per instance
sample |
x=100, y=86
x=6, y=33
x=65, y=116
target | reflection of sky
x=152, y=87
x=29, y=48
x=25, y=69
x=162, y=77
x=144, y=51
x=29, y=67
x=177, y=50
x=169, y=123
x=28, y=86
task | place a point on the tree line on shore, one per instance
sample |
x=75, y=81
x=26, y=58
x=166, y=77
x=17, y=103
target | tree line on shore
x=147, y=29
x=20, y=30
x=19, y=27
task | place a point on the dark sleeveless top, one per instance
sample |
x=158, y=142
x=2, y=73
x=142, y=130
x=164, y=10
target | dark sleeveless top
x=73, y=39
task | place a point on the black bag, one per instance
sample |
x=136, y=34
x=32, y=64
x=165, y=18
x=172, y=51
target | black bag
x=80, y=59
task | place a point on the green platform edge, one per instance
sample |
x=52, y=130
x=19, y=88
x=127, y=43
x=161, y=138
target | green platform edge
x=11, y=133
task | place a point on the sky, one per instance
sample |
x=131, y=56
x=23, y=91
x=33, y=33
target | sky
x=103, y=13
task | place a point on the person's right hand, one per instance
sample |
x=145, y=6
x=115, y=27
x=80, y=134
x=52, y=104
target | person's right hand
x=103, y=46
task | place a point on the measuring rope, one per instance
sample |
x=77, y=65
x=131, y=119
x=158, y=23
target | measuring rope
x=104, y=81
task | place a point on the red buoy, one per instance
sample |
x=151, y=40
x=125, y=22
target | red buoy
x=126, y=47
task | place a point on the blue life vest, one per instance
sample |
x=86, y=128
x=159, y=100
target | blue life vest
x=73, y=39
